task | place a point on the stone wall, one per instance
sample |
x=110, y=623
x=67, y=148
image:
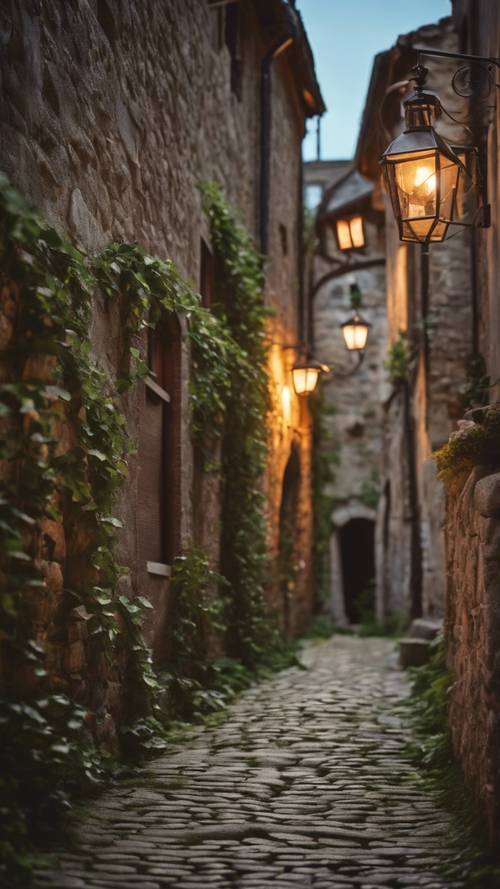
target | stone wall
x=113, y=113
x=472, y=634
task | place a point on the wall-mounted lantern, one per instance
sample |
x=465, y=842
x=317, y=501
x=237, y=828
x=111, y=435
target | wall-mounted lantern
x=349, y=233
x=426, y=176
x=305, y=375
x=356, y=329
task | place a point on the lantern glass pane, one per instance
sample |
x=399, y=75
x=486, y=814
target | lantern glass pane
x=355, y=336
x=466, y=202
x=305, y=379
x=344, y=235
x=416, y=183
x=448, y=179
x=357, y=233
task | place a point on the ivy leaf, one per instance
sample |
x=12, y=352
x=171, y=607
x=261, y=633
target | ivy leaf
x=55, y=392
x=98, y=454
x=111, y=520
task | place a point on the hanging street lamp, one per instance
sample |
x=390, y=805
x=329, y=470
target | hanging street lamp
x=355, y=332
x=422, y=170
x=305, y=375
x=349, y=233
x=356, y=329
x=428, y=179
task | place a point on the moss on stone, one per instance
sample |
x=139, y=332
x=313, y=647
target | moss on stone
x=475, y=444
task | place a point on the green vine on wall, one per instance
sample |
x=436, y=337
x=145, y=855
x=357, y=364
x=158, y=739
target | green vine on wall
x=325, y=462
x=240, y=304
x=398, y=359
x=64, y=457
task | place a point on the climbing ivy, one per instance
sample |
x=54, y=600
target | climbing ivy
x=48, y=288
x=148, y=286
x=325, y=462
x=240, y=303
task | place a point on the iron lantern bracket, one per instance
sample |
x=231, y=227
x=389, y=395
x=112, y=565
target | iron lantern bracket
x=343, y=373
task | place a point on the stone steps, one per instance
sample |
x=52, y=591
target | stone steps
x=415, y=649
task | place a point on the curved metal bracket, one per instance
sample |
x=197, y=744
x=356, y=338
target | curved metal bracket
x=344, y=373
x=464, y=82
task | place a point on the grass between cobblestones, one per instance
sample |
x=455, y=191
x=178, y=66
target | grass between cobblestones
x=473, y=861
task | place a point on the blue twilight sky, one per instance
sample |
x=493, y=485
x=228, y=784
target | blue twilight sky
x=345, y=35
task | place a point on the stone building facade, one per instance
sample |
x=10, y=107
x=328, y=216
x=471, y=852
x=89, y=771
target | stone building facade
x=352, y=393
x=113, y=113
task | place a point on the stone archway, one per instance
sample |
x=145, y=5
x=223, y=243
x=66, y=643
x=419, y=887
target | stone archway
x=342, y=543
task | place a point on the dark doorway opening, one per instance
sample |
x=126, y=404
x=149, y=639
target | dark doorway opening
x=288, y=529
x=357, y=546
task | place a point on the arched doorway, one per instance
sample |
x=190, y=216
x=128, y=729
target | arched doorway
x=287, y=532
x=357, y=549
x=352, y=562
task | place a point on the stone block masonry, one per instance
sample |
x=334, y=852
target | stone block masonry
x=472, y=634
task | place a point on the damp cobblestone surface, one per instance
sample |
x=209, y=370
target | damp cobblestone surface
x=305, y=785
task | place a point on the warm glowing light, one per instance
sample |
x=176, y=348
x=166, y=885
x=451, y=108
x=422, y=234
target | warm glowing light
x=286, y=401
x=305, y=378
x=350, y=233
x=355, y=332
x=425, y=176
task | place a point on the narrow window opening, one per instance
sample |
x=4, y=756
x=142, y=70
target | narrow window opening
x=284, y=239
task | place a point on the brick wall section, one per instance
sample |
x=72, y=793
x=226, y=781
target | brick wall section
x=472, y=627
x=113, y=112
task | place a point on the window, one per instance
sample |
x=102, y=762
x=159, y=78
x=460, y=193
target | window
x=206, y=275
x=159, y=500
x=284, y=239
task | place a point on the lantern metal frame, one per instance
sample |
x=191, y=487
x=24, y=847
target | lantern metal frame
x=420, y=137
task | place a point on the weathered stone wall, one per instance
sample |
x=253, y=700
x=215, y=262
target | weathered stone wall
x=113, y=113
x=472, y=509
x=472, y=634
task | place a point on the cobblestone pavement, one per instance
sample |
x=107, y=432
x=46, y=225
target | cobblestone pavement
x=305, y=785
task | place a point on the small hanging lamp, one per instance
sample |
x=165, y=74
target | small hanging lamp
x=350, y=233
x=305, y=375
x=356, y=329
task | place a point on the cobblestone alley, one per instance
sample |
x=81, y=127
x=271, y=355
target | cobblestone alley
x=305, y=785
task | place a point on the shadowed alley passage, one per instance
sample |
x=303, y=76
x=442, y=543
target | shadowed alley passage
x=305, y=785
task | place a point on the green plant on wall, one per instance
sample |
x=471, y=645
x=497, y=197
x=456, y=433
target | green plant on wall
x=370, y=490
x=240, y=302
x=398, y=359
x=47, y=292
x=475, y=390
x=325, y=461
x=477, y=444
